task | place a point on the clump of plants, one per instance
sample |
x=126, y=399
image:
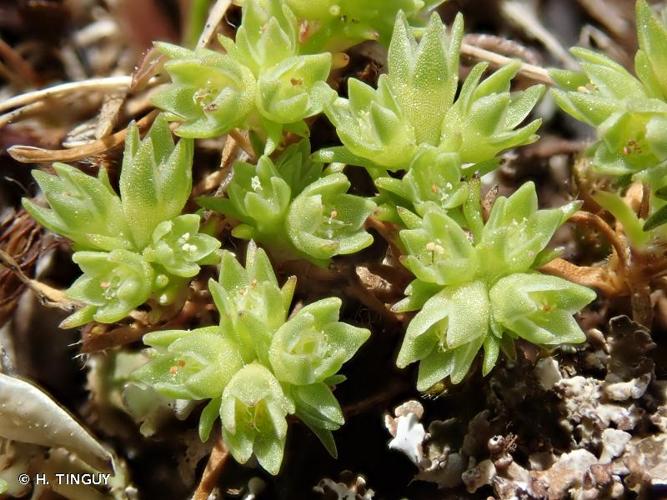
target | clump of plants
x=295, y=207
x=484, y=291
x=415, y=106
x=625, y=174
x=132, y=248
x=629, y=114
x=257, y=366
x=261, y=82
x=419, y=140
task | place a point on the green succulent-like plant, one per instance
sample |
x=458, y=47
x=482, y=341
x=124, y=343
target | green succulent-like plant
x=414, y=105
x=433, y=178
x=258, y=366
x=113, y=283
x=336, y=25
x=262, y=82
x=628, y=112
x=480, y=289
x=131, y=247
x=294, y=207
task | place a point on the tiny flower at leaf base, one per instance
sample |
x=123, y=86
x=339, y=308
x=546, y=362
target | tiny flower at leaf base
x=295, y=208
x=210, y=93
x=434, y=177
x=180, y=248
x=262, y=82
x=113, y=283
x=136, y=246
x=482, y=291
x=257, y=366
x=414, y=106
x=324, y=220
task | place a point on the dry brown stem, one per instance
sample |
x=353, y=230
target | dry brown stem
x=30, y=154
x=531, y=71
x=49, y=296
x=214, y=467
x=109, y=83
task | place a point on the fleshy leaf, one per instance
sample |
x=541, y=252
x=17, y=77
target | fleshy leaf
x=156, y=179
x=82, y=208
x=439, y=252
x=453, y=317
x=539, y=308
x=196, y=365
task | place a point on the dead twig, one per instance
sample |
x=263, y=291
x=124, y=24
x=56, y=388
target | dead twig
x=108, y=115
x=611, y=279
x=216, y=14
x=388, y=231
x=23, y=112
x=30, y=154
x=378, y=400
x=502, y=46
x=530, y=71
x=109, y=83
x=549, y=146
x=243, y=141
x=48, y=296
x=220, y=178
x=342, y=277
x=99, y=337
x=358, y=291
